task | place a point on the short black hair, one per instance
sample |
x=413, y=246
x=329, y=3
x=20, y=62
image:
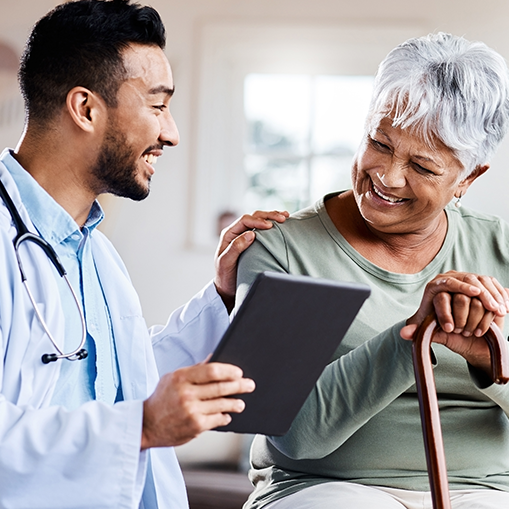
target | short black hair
x=80, y=43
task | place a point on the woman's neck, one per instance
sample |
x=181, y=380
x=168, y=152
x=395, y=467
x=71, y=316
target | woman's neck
x=404, y=253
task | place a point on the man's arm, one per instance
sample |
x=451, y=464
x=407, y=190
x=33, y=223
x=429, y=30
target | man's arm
x=195, y=399
x=193, y=331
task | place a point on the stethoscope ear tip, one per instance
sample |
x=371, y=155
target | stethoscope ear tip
x=82, y=354
x=49, y=357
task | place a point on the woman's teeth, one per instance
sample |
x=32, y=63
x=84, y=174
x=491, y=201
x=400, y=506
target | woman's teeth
x=385, y=197
x=150, y=159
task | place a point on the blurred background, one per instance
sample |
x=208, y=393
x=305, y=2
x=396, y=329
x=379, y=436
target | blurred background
x=270, y=101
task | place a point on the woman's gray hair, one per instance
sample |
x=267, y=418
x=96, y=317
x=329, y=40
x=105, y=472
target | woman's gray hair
x=443, y=86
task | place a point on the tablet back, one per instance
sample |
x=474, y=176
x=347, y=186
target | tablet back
x=283, y=335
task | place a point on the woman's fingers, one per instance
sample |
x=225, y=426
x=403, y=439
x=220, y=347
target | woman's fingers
x=461, y=309
x=444, y=311
x=463, y=303
x=436, y=299
x=493, y=295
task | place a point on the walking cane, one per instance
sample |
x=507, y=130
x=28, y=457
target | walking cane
x=428, y=403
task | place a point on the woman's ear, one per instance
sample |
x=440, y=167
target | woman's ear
x=85, y=108
x=467, y=182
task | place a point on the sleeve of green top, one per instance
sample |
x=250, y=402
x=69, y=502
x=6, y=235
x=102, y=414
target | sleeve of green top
x=499, y=394
x=350, y=391
x=259, y=259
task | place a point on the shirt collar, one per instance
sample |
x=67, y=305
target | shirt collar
x=51, y=220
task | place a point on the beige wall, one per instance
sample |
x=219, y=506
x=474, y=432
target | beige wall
x=153, y=236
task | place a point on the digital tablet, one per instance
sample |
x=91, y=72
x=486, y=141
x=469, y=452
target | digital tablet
x=283, y=335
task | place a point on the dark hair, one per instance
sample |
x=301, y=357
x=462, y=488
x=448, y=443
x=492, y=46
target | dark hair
x=80, y=43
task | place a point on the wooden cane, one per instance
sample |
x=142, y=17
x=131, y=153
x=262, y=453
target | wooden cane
x=428, y=403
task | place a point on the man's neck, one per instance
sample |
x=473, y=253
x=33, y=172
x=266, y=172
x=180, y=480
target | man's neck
x=59, y=171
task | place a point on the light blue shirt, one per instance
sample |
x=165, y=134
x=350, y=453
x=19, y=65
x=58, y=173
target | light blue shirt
x=97, y=376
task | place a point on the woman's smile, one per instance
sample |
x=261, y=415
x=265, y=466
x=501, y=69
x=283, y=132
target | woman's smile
x=378, y=193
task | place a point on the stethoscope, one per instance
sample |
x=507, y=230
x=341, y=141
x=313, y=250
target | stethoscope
x=24, y=235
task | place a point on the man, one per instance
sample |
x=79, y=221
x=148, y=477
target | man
x=97, y=432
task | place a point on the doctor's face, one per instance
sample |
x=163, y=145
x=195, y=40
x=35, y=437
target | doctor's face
x=139, y=126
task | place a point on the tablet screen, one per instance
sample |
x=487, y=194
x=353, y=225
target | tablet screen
x=283, y=335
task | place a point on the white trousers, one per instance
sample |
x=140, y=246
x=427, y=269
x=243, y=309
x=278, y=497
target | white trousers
x=345, y=495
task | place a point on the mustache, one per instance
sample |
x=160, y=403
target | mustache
x=158, y=146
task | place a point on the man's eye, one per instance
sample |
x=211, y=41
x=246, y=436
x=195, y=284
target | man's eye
x=160, y=107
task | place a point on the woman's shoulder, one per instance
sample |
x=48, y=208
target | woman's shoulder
x=299, y=226
x=473, y=221
x=480, y=237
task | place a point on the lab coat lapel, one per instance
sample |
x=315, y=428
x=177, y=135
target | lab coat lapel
x=36, y=380
x=134, y=352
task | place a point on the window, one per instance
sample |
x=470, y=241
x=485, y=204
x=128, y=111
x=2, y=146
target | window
x=274, y=121
x=302, y=132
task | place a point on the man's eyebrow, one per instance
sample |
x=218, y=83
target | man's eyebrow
x=162, y=89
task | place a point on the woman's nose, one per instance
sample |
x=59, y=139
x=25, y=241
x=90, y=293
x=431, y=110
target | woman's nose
x=393, y=175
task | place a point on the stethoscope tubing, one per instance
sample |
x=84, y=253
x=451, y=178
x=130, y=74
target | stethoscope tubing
x=24, y=235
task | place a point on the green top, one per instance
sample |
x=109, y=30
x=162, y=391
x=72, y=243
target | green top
x=361, y=422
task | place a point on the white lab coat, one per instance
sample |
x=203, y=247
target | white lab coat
x=88, y=458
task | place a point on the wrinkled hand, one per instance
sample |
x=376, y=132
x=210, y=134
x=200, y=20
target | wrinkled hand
x=192, y=400
x=465, y=305
x=234, y=240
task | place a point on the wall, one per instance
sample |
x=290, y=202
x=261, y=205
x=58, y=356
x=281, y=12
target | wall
x=165, y=245
x=154, y=236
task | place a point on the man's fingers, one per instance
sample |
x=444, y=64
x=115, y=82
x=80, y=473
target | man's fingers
x=274, y=215
x=222, y=406
x=226, y=264
x=239, y=244
x=191, y=400
x=259, y=219
x=208, y=373
x=217, y=390
x=213, y=381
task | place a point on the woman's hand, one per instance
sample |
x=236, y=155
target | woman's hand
x=465, y=305
x=234, y=240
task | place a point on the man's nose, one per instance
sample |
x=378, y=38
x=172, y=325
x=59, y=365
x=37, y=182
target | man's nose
x=169, y=134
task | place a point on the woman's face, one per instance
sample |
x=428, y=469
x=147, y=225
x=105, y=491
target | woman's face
x=400, y=184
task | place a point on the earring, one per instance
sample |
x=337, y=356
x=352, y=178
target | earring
x=457, y=203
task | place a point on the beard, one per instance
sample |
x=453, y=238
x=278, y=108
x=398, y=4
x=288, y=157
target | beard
x=116, y=167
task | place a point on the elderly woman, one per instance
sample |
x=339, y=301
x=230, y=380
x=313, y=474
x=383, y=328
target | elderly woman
x=440, y=108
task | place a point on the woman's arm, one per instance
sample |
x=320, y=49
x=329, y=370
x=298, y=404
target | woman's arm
x=351, y=390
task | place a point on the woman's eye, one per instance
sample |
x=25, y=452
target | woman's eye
x=379, y=145
x=421, y=169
